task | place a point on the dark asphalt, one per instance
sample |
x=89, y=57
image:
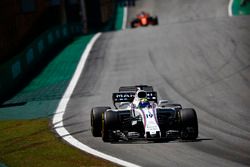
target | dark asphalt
x=198, y=57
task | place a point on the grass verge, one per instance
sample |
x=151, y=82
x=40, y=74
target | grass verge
x=31, y=143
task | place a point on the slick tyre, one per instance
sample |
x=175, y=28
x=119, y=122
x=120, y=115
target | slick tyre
x=155, y=21
x=133, y=24
x=189, y=124
x=110, y=123
x=96, y=120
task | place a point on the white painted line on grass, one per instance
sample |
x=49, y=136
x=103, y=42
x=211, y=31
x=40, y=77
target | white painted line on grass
x=125, y=16
x=230, y=5
x=58, y=117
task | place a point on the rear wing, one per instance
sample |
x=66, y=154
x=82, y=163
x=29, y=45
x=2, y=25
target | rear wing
x=135, y=88
x=129, y=97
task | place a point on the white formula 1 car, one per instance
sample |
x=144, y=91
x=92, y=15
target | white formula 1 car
x=139, y=115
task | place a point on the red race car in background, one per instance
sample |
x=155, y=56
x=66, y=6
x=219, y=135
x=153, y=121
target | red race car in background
x=144, y=19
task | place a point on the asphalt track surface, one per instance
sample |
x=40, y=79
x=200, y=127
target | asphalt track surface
x=198, y=57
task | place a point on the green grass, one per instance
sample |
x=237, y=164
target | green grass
x=31, y=143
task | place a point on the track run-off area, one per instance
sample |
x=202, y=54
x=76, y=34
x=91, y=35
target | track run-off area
x=198, y=56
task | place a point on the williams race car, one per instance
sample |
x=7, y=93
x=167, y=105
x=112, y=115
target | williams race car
x=139, y=115
x=144, y=19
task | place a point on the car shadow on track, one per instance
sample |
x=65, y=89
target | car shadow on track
x=161, y=141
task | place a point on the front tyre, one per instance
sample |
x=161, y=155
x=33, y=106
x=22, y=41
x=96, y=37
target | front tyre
x=189, y=124
x=96, y=120
x=110, y=123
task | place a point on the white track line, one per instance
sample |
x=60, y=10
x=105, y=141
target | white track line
x=125, y=16
x=58, y=117
x=230, y=13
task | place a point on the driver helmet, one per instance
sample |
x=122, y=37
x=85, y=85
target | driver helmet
x=142, y=95
x=143, y=103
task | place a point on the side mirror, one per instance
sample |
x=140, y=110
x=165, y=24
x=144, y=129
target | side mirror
x=162, y=102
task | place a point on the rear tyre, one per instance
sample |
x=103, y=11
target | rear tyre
x=110, y=123
x=189, y=124
x=155, y=20
x=96, y=120
x=133, y=24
